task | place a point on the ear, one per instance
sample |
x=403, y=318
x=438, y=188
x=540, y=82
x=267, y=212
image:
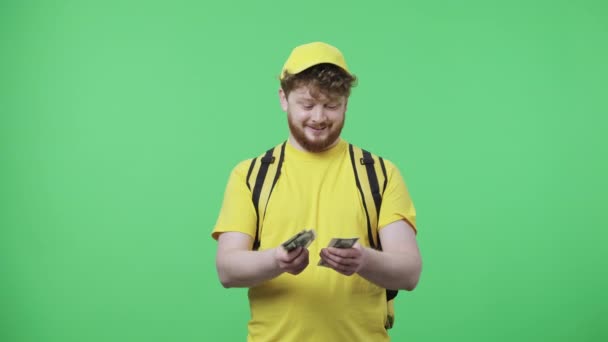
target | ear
x=283, y=99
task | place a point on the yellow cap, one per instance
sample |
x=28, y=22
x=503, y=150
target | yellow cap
x=304, y=56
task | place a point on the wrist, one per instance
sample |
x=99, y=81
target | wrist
x=365, y=259
x=275, y=264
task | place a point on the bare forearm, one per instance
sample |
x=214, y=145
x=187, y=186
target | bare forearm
x=391, y=270
x=239, y=268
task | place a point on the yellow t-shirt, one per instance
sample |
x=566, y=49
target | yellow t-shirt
x=315, y=191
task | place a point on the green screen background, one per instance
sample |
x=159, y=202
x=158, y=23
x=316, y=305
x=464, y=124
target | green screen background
x=120, y=122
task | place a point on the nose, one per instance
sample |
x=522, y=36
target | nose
x=317, y=114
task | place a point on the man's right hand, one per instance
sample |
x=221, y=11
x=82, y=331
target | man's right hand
x=239, y=266
x=292, y=262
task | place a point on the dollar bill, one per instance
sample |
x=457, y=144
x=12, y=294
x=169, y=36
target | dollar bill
x=301, y=239
x=339, y=243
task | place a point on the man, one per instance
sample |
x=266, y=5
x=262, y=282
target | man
x=291, y=297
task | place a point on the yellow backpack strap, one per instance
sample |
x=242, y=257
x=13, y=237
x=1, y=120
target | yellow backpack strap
x=370, y=177
x=264, y=175
x=371, y=194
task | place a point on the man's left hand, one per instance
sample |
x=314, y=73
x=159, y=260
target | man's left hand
x=344, y=260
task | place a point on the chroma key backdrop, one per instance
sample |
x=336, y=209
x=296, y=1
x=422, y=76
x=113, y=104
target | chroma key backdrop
x=121, y=120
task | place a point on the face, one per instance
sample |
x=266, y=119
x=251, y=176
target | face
x=315, y=124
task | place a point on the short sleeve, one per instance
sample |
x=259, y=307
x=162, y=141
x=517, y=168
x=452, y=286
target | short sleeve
x=396, y=201
x=237, y=213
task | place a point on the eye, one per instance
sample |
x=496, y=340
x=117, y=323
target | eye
x=307, y=106
x=332, y=106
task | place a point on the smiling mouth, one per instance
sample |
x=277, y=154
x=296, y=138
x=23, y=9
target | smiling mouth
x=317, y=128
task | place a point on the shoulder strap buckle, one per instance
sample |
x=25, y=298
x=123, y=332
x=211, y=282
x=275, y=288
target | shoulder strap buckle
x=267, y=159
x=366, y=160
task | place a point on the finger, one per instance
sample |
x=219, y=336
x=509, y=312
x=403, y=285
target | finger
x=340, y=268
x=299, y=265
x=345, y=252
x=337, y=259
x=301, y=258
x=293, y=254
x=340, y=257
x=347, y=271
